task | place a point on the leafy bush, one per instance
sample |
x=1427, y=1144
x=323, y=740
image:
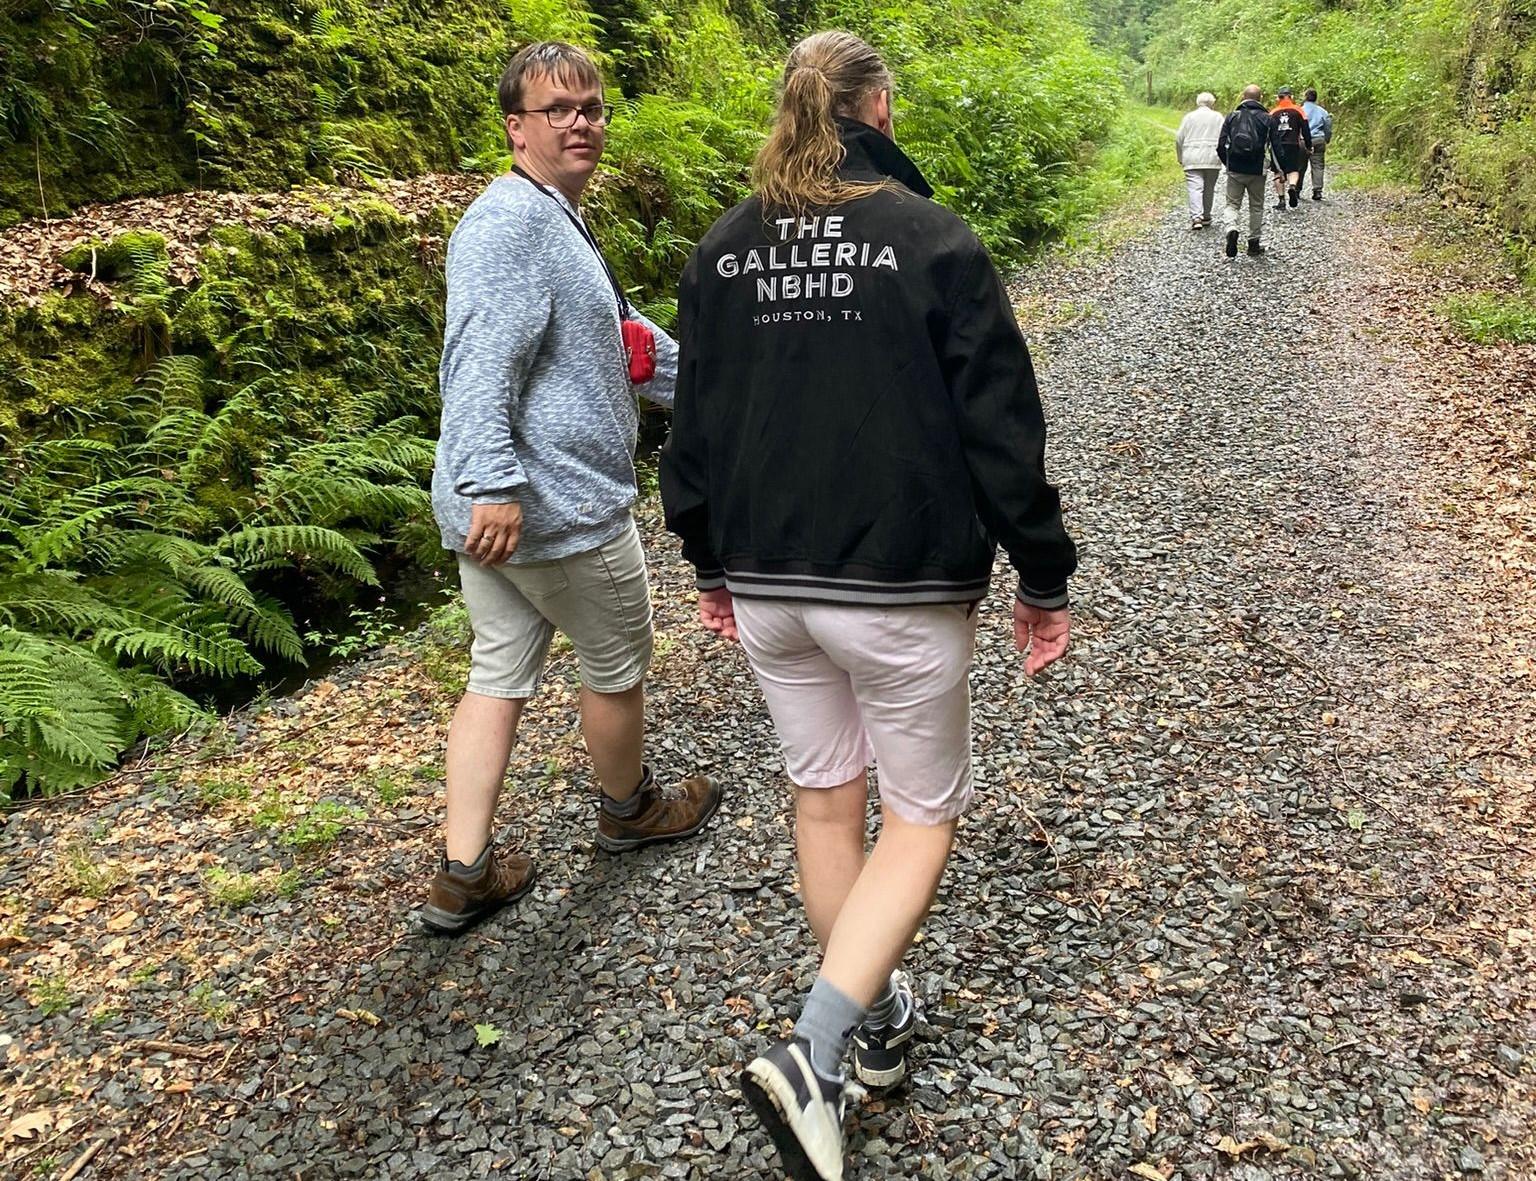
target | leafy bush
x=161, y=537
x=115, y=576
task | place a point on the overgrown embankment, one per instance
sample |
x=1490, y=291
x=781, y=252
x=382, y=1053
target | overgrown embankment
x=220, y=411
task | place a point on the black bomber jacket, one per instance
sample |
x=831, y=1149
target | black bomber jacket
x=856, y=418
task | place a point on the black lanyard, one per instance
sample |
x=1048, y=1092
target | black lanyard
x=586, y=236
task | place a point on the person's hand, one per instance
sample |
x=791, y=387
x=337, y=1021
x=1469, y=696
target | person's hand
x=717, y=613
x=1042, y=634
x=494, y=531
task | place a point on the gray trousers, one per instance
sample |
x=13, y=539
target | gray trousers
x=1202, y=191
x=1318, y=153
x=1239, y=185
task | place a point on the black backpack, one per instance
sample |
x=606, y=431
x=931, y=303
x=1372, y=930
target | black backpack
x=1249, y=131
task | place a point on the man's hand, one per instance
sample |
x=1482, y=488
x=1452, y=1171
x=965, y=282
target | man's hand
x=1042, y=634
x=494, y=530
x=717, y=613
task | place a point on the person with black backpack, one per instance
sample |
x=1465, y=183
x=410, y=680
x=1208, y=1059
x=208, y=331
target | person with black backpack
x=1244, y=144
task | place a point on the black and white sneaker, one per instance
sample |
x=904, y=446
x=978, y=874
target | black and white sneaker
x=880, y=1051
x=800, y=1109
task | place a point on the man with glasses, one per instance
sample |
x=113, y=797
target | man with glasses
x=533, y=484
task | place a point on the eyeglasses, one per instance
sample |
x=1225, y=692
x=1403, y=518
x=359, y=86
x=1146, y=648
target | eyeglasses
x=561, y=118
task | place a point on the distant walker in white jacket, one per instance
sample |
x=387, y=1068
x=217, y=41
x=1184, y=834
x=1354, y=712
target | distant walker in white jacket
x=1196, y=148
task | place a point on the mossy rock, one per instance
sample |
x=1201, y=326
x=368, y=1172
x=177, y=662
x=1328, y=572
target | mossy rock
x=117, y=258
x=68, y=353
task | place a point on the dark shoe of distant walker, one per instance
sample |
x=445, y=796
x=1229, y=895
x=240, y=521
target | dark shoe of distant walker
x=1205, y=220
x=800, y=1110
x=1280, y=205
x=1196, y=223
x=880, y=1051
x=1295, y=195
x=663, y=816
x=457, y=901
x=1254, y=249
x=1317, y=194
x=1231, y=243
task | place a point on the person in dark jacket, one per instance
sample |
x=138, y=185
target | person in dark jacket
x=1243, y=147
x=1291, y=139
x=856, y=428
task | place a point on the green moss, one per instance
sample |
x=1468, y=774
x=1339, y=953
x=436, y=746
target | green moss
x=66, y=353
x=275, y=94
x=117, y=258
x=349, y=313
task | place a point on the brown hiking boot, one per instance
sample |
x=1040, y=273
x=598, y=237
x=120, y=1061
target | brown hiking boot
x=664, y=815
x=457, y=901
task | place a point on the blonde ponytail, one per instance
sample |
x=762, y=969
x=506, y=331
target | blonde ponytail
x=827, y=74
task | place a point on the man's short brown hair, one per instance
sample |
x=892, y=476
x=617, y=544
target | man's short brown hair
x=569, y=65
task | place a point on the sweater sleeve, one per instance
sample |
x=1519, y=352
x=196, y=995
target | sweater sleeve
x=1002, y=433
x=500, y=297
x=662, y=388
x=684, y=464
x=1224, y=140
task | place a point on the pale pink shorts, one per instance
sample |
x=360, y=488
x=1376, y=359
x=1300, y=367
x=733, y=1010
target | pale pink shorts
x=848, y=686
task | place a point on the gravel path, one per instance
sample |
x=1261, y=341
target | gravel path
x=1244, y=894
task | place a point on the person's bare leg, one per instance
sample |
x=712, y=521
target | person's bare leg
x=829, y=839
x=479, y=745
x=613, y=725
x=886, y=906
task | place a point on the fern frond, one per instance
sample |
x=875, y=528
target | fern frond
x=260, y=543
x=219, y=583
x=175, y=381
x=156, y=707
x=210, y=650
x=267, y=625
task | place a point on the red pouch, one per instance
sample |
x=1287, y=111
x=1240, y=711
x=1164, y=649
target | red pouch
x=640, y=349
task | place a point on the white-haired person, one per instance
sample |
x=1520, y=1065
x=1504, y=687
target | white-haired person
x=1195, y=146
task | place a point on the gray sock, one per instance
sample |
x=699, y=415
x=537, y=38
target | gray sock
x=622, y=809
x=828, y=1020
x=886, y=1008
x=628, y=809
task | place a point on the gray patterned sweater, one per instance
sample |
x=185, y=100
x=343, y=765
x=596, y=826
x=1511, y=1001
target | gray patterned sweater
x=537, y=403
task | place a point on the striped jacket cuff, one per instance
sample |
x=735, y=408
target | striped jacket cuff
x=1051, y=600
x=708, y=580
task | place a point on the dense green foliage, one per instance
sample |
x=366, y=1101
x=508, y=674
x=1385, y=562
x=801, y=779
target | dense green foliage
x=198, y=463
x=191, y=467
x=1444, y=86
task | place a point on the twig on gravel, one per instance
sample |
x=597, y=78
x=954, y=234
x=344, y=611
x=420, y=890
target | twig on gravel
x=1282, y=650
x=82, y=1160
x=1364, y=795
x=1045, y=837
x=244, y=751
x=180, y=1049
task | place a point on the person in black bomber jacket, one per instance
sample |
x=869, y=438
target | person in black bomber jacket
x=856, y=429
